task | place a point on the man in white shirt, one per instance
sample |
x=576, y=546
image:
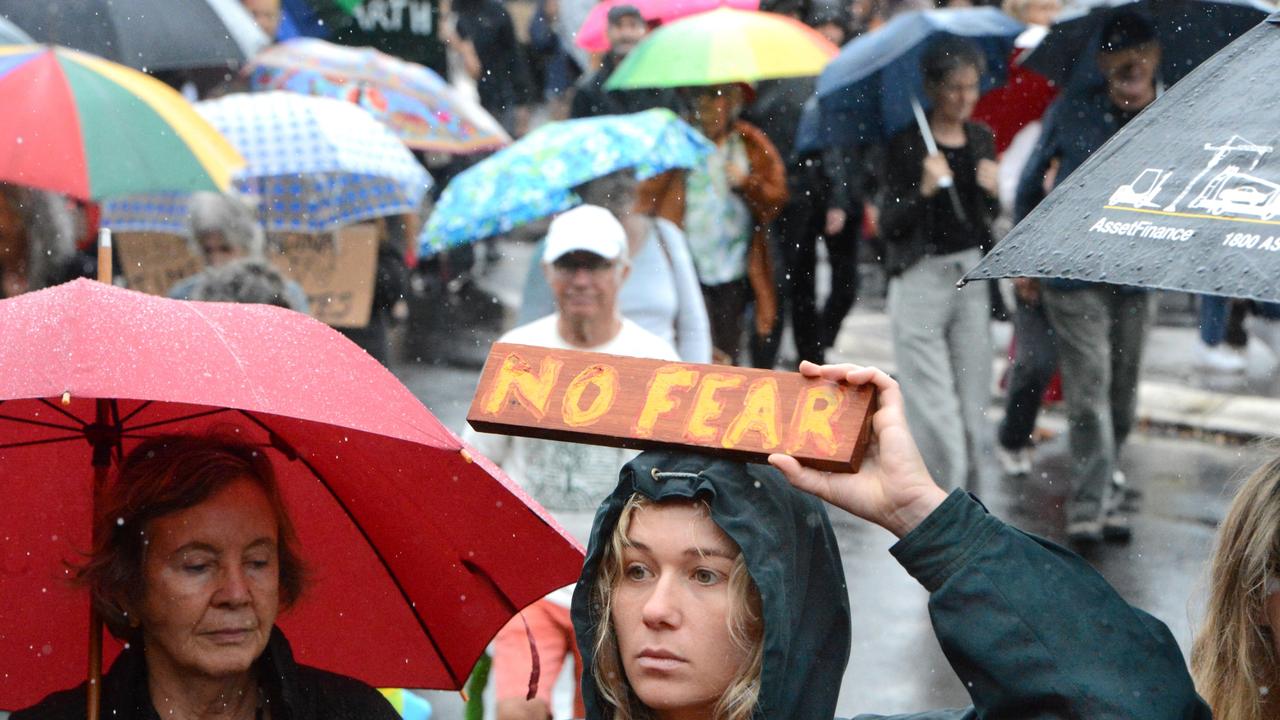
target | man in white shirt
x=585, y=261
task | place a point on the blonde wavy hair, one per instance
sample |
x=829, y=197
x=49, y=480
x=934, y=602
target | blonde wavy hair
x=746, y=628
x=1233, y=658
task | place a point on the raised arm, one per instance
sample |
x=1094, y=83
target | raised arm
x=1029, y=627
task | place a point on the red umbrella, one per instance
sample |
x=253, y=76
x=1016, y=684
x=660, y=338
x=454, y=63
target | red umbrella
x=420, y=551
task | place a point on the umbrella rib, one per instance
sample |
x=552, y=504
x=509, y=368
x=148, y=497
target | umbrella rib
x=46, y=441
x=134, y=412
x=404, y=595
x=65, y=413
x=41, y=423
x=184, y=418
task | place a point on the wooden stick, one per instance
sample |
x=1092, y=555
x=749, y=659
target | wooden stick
x=104, y=255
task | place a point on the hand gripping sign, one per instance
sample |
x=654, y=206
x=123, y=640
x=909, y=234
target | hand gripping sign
x=733, y=412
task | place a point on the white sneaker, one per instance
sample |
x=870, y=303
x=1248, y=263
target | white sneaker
x=1085, y=532
x=1268, y=331
x=1015, y=462
x=1218, y=359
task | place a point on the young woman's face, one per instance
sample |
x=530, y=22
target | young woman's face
x=671, y=610
x=955, y=97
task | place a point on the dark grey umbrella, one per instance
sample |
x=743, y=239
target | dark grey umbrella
x=1190, y=31
x=144, y=34
x=11, y=34
x=1185, y=197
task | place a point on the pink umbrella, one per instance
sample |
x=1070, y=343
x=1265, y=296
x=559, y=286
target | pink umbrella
x=591, y=36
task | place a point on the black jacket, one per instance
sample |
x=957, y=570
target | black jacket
x=296, y=692
x=592, y=100
x=1030, y=628
x=1076, y=125
x=907, y=218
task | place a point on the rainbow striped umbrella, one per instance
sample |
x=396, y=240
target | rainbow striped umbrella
x=723, y=46
x=77, y=124
x=408, y=705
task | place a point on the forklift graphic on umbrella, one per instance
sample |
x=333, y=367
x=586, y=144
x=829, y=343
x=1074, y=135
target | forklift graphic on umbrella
x=1232, y=191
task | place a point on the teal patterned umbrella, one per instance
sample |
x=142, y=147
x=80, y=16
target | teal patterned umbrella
x=535, y=177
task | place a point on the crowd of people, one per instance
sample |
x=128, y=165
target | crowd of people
x=714, y=589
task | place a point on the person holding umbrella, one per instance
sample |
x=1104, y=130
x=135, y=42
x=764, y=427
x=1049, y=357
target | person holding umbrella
x=194, y=559
x=936, y=217
x=626, y=28
x=1099, y=329
x=725, y=207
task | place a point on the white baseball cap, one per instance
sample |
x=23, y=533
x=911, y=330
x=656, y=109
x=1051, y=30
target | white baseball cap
x=588, y=228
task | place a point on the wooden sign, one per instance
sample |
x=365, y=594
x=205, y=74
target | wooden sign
x=739, y=413
x=335, y=270
x=155, y=262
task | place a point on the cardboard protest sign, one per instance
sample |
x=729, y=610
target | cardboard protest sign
x=739, y=413
x=154, y=262
x=336, y=271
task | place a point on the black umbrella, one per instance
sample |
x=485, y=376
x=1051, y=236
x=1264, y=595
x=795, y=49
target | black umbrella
x=1190, y=31
x=1185, y=197
x=144, y=34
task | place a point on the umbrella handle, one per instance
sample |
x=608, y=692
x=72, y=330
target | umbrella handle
x=931, y=146
x=94, y=689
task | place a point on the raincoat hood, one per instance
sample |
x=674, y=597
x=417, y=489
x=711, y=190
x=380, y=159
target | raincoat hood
x=790, y=552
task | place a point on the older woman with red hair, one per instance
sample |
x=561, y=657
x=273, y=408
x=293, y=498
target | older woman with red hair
x=195, y=559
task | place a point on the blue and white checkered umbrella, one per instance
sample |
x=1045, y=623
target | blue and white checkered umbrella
x=313, y=164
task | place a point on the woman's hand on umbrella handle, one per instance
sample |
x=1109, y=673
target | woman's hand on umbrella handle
x=989, y=176
x=892, y=489
x=836, y=218
x=937, y=175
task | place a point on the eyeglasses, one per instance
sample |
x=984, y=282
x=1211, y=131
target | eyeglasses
x=569, y=266
x=959, y=88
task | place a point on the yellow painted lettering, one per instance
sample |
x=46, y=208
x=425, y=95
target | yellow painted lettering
x=814, y=420
x=658, y=401
x=605, y=380
x=707, y=408
x=759, y=415
x=516, y=383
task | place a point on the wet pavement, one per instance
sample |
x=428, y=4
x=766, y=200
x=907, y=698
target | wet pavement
x=896, y=665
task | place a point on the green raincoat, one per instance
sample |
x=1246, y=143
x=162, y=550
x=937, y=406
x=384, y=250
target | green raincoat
x=1030, y=628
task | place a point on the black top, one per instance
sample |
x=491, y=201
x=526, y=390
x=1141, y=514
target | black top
x=953, y=233
x=293, y=691
x=504, y=79
x=913, y=226
x=592, y=100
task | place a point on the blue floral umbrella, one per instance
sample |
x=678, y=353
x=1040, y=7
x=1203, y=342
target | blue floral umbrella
x=535, y=177
x=313, y=165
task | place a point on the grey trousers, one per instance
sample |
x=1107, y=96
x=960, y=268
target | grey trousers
x=942, y=347
x=1099, y=333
